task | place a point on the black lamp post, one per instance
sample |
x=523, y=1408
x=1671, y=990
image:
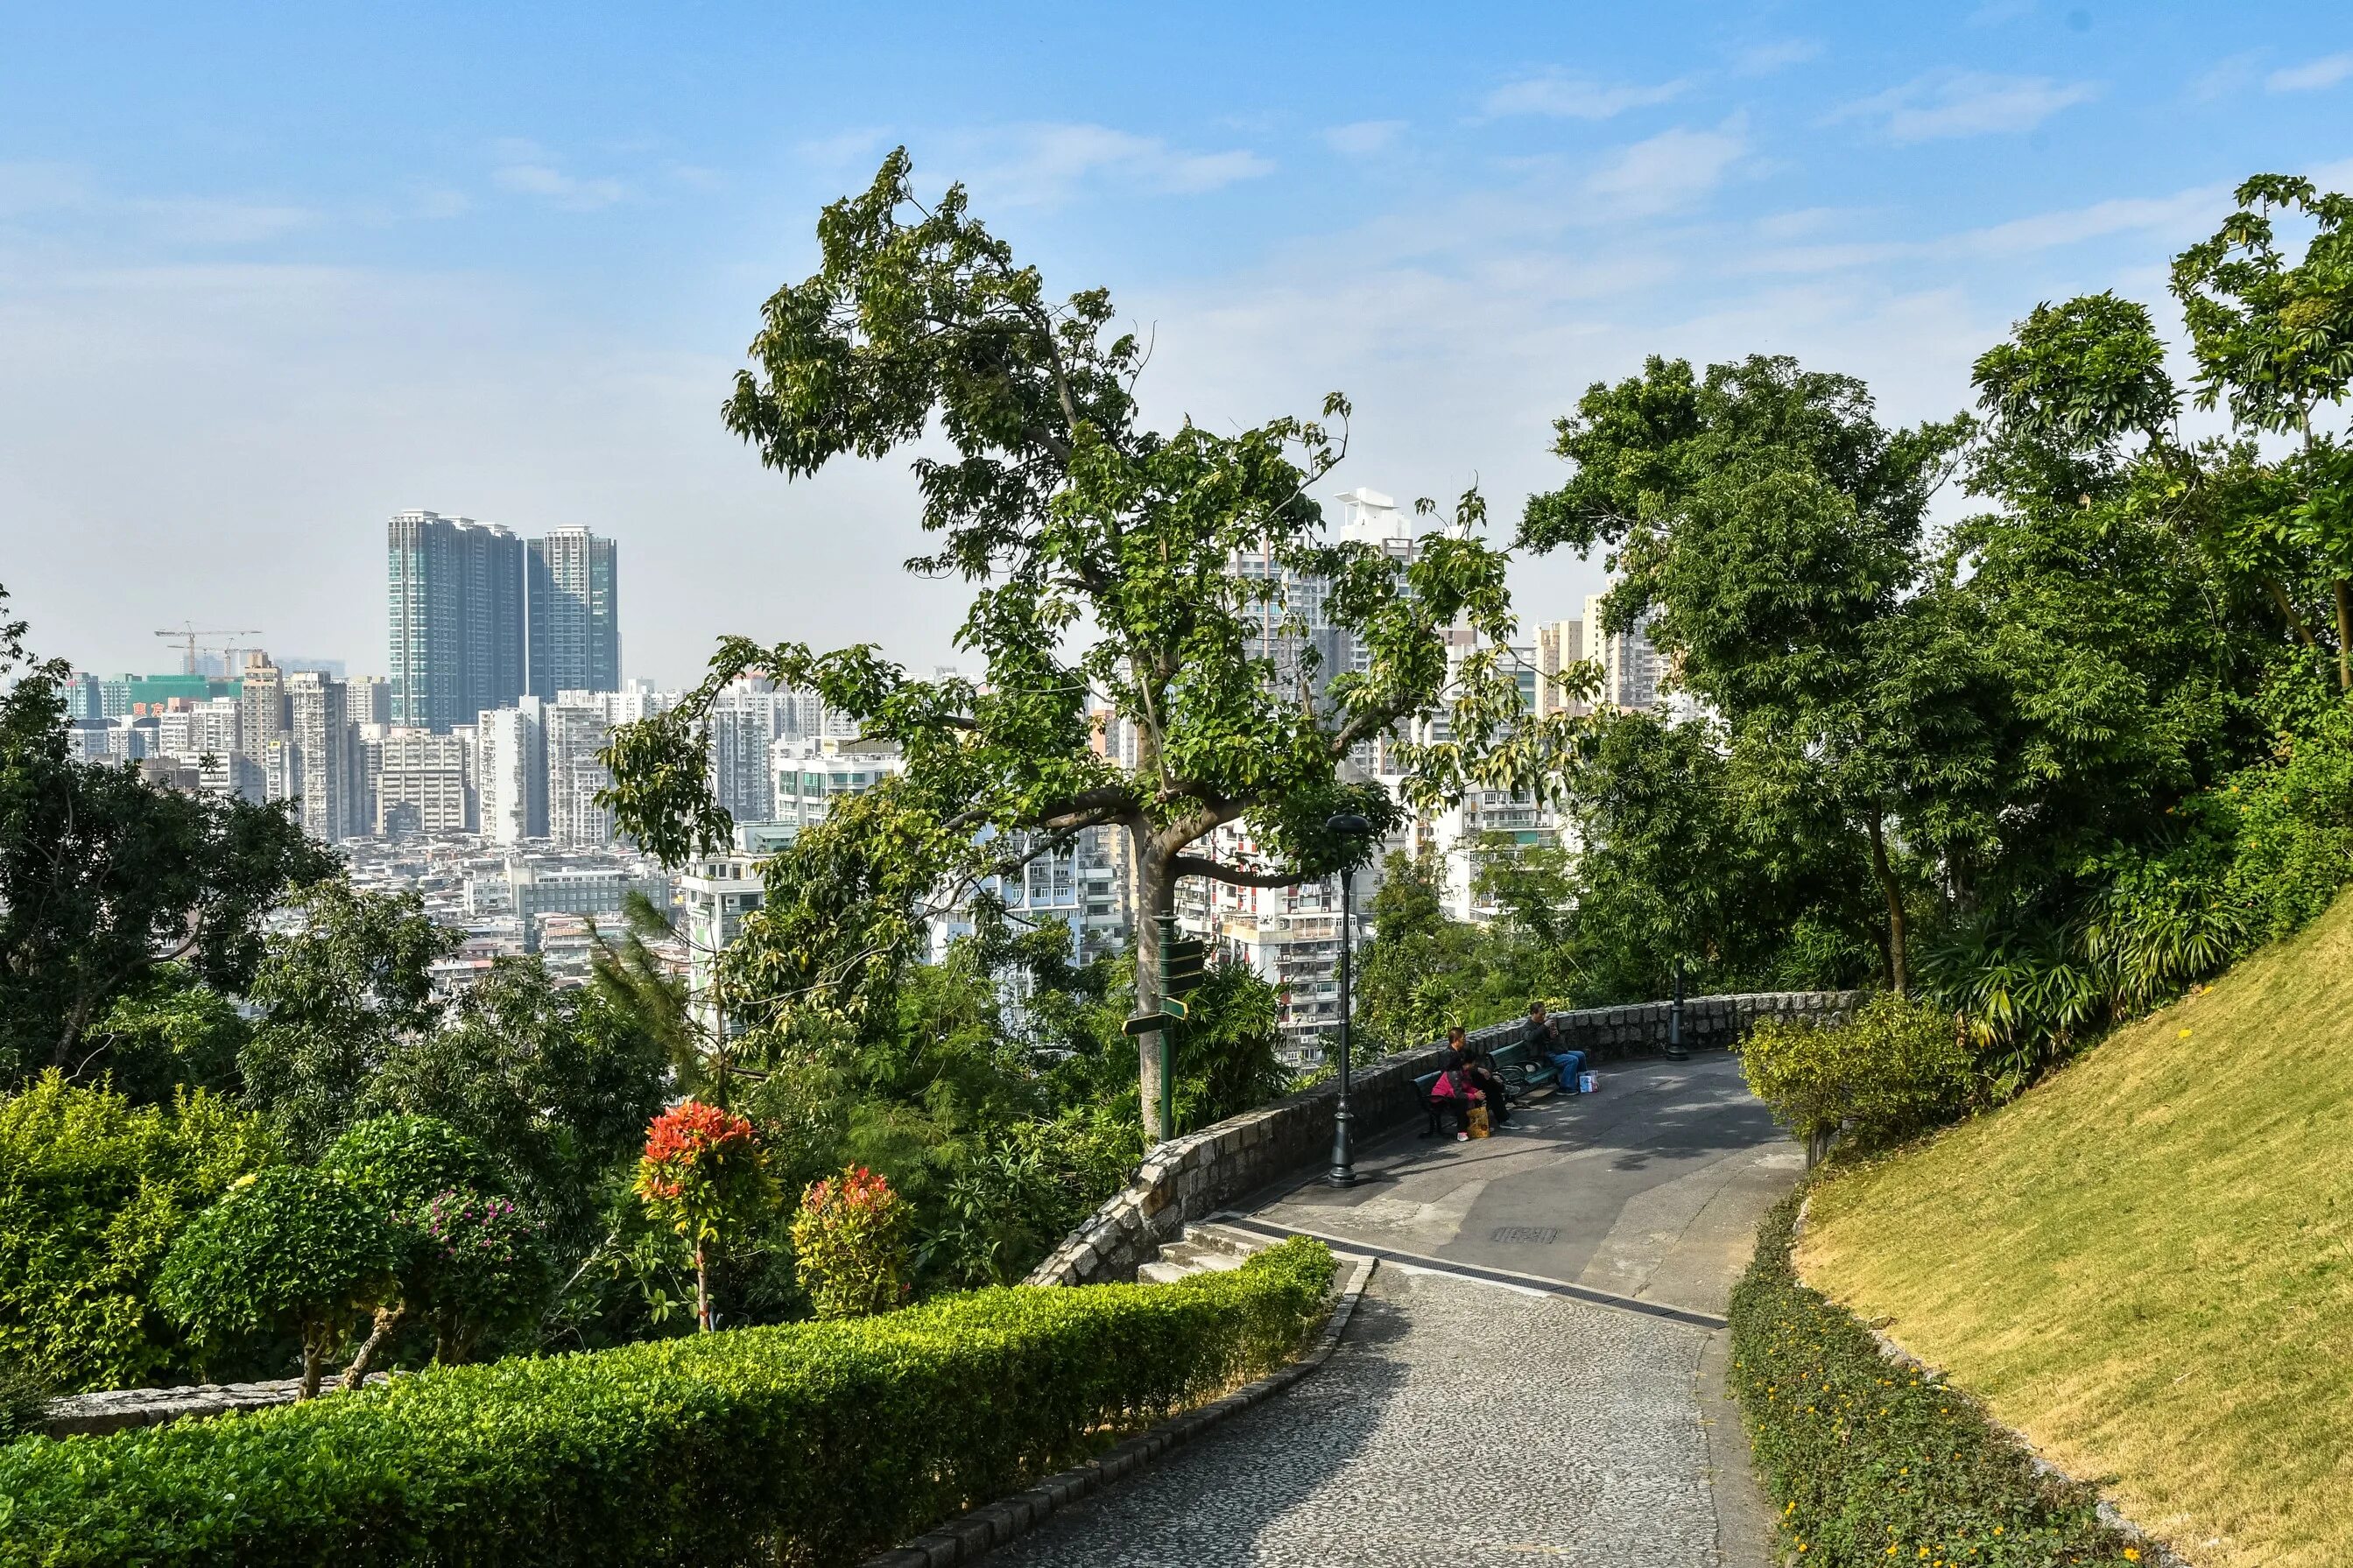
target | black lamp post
x=1347, y=826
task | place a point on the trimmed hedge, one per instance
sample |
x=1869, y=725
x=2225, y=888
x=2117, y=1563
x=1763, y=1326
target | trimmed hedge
x=1876, y=1463
x=805, y=1444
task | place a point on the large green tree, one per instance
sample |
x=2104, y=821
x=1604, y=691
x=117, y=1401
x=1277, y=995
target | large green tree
x=104, y=879
x=1768, y=529
x=1102, y=556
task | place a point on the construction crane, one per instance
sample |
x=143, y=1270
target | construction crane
x=188, y=632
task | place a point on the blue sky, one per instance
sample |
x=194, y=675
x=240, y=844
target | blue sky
x=270, y=273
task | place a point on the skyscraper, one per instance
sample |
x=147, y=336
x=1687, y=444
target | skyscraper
x=317, y=724
x=513, y=747
x=458, y=638
x=574, y=608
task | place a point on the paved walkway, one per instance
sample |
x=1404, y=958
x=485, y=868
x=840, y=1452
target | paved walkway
x=1465, y=1421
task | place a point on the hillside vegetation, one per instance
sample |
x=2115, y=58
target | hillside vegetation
x=2145, y=1265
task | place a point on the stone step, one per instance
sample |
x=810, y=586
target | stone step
x=1201, y=1248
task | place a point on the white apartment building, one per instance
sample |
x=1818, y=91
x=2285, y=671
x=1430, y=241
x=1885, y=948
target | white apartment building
x=598, y=892
x=714, y=894
x=421, y=784
x=1630, y=663
x=1289, y=936
x=742, y=728
x=811, y=775
x=576, y=727
x=511, y=769
x=318, y=725
x=1079, y=885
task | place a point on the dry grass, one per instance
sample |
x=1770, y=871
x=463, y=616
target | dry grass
x=2146, y=1264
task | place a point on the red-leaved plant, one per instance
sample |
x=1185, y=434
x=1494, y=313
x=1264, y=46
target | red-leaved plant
x=701, y=1172
x=849, y=1245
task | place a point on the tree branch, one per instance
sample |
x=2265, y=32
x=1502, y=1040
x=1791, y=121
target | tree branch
x=1237, y=876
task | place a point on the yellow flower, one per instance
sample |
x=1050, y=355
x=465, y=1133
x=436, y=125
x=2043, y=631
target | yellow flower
x=2183, y=1036
x=2132, y=1553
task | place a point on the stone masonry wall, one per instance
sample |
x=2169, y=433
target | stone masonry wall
x=1194, y=1176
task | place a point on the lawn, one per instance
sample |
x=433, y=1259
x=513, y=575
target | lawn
x=2146, y=1264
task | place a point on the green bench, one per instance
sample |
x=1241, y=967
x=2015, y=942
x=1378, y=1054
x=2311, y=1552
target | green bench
x=1523, y=1072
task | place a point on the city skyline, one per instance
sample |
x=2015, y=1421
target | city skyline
x=527, y=306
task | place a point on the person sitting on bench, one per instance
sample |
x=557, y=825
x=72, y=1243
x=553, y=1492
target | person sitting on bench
x=1543, y=1040
x=1455, y=1088
x=1479, y=1067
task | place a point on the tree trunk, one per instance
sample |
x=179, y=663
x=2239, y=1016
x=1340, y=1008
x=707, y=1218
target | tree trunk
x=388, y=1323
x=1897, y=980
x=314, y=1362
x=702, y=1291
x=2344, y=636
x=1156, y=898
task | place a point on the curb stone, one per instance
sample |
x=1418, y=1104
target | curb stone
x=979, y=1529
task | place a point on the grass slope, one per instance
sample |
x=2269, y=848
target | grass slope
x=2147, y=1263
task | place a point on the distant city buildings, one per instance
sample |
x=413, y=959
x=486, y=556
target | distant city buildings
x=458, y=638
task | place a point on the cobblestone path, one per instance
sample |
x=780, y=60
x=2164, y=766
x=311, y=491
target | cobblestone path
x=1460, y=1423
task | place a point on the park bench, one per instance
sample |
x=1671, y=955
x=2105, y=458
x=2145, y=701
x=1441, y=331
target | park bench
x=1522, y=1071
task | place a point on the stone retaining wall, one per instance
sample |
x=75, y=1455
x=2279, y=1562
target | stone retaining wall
x=115, y=1409
x=1194, y=1176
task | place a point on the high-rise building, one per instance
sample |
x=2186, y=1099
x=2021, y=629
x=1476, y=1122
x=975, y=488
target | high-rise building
x=421, y=784
x=511, y=746
x=573, y=606
x=261, y=701
x=317, y=724
x=371, y=699
x=1560, y=645
x=745, y=723
x=1630, y=663
x=577, y=726
x=458, y=635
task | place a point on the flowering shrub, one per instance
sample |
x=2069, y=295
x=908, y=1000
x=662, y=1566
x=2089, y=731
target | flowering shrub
x=484, y=1269
x=1876, y=1463
x=702, y=1172
x=849, y=1245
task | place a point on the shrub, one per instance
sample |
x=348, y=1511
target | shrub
x=484, y=1270
x=1876, y=1463
x=93, y=1191
x=703, y=1174
x=806, y=1443
x=400, y=1163
x=1895, y=1069
x=849, y=1245
x=288, y=1251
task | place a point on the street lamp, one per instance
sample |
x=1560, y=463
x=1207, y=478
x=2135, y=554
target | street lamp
x=1346, y=826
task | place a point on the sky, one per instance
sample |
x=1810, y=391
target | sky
x=269, y=273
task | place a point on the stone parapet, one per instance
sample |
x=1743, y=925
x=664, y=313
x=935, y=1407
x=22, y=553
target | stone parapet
x=114, y=1410
x=1192, y=1178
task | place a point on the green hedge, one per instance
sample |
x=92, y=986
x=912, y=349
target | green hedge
x=1874, y=1463
x=808, y=1444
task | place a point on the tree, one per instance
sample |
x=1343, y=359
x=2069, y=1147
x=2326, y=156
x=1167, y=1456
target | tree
x=339, y=998
x=93, y=1190
x=1102, y=554
x=104, y=877
x=703, y=1175
x=286, y=1252
x=465, y=1259
x=849, y=1241
x=2275, y=340
x=1768, y=529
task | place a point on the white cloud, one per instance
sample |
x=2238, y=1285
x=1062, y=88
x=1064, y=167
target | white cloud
x=2226, y=77
x=561, y=189
x=859, y=145
x=1045, y=164
x=197, y=220
x=1364, y=137
x=1562, y=95
x=2181, y=215
x=2313, y=75
x=1945, y=104
x=1763, y=60
x=1669, y=170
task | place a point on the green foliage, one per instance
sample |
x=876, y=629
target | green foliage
x=849, y=1243
x=24, y=1397
x=1895, y=1069
x=173, y=1032
x=1101, y=556
x=811, y=1443
x=401, y=1163
x=1872, y=1461
x=104, y=879
x=483, y=1271
x=286, y=1252
x=93, y=1190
